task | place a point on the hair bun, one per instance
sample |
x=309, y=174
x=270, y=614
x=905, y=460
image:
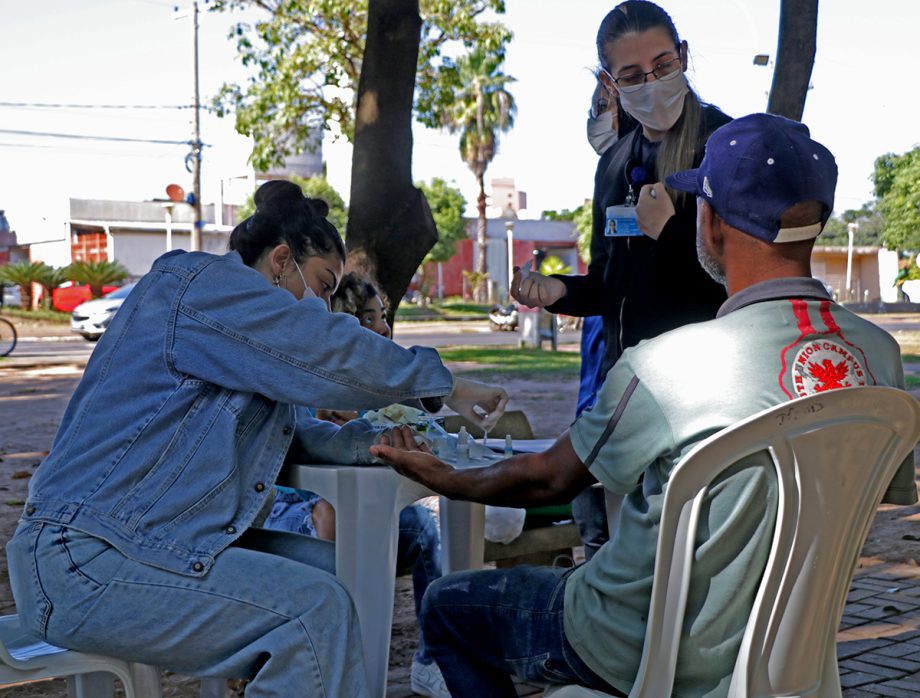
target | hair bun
x=277, y=191
x=320, y=206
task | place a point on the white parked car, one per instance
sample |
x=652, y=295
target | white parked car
x=90, y=319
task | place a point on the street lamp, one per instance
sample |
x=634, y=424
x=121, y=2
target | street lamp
x=509, y=232
x=851, y=230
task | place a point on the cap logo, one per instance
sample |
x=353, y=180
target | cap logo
x=707, y=190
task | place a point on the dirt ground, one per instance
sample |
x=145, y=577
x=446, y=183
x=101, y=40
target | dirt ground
x=31, y=405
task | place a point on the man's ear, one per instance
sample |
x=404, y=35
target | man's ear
x=708, y=224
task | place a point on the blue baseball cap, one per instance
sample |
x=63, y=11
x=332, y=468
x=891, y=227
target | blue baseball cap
x=755, y=169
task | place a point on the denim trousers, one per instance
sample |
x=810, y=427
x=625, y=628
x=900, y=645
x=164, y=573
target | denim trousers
x=269, y=610
x=418, y=548
x=484, y=626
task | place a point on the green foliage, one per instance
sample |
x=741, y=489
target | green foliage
x=897, y=186
x=868, y=232
x=305, y=57
x=50, y=278
x=98, y=274
x=563, y=215
x=447, y=205
x=316, y=187
x=554, y=265
x=23, y=274
x=584, y=219
x=482, y=107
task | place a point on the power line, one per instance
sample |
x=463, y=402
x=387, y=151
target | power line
x=116, y=139
x=49, y=105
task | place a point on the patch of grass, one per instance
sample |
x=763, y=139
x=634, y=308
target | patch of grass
x=912, y=380
x=442, y=310
x=38, y=315
x=512, y=362
x=464, y=308
x=910, y=358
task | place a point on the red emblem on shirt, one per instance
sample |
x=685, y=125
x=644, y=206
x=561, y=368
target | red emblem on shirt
x=823, y=364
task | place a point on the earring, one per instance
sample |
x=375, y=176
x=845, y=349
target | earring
x=276, y=279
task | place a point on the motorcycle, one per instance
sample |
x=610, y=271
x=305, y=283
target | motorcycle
x=503, y=318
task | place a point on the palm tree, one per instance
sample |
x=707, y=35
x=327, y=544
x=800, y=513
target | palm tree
x=97, y=274
x=482, y=107
x=22, y=274
x=50, y=278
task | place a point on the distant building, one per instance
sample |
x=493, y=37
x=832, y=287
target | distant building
x=10, y=249
x=135, y=233
x=554, y=238
x=872, y=273
x=507, y=201
x=306, y=164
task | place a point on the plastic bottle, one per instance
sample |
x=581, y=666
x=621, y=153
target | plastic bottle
x=463, y=444
x=509, y=447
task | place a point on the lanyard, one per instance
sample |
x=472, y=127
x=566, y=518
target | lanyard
x=634, y=172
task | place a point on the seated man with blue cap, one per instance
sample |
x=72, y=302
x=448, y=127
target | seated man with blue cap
x=765, y=190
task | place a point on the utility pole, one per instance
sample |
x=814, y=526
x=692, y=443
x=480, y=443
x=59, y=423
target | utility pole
x=196, y=143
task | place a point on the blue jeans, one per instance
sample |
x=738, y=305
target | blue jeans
x=483, y=626
x=589, y=510
x=418, y=547
x=264, y=611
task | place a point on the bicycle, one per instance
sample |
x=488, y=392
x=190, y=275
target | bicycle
x=7, y=337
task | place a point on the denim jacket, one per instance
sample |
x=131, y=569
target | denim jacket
x=174, y=436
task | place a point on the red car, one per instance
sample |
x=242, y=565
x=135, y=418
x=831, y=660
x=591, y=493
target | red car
x=68, y=298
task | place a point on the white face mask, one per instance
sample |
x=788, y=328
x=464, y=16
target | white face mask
x=307, y=291
x=601, y=134
x=657, y=105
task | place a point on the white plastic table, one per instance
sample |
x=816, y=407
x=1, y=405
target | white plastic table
x=367, y=501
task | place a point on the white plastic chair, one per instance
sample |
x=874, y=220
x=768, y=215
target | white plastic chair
x=26, y=658
x=834, y=455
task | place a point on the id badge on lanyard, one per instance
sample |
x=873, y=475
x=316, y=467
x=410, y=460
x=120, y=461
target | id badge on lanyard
x=621, y=222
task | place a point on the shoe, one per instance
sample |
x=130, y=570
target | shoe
x=426, y=680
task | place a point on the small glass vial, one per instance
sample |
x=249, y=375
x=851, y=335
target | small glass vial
x=463, y=444
x=509, y=446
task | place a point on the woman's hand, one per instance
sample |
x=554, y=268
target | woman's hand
x=480, y=403
x=534, y=289
x=654, y=209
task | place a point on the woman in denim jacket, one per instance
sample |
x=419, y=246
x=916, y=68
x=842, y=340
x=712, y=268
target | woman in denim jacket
x=134, y=542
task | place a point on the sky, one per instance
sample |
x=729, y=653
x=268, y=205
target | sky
x=863, y=103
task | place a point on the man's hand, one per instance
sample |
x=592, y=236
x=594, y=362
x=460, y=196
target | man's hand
x=534, y=289
x=654, y=209
x=480, y=403
x=399, y=448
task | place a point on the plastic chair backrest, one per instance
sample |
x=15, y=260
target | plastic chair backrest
x=834, y=455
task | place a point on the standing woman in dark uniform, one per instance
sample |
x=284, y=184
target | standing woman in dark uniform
x=644, y=278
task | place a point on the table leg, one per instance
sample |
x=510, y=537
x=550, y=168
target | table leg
x=366, y=538
x=462, y=535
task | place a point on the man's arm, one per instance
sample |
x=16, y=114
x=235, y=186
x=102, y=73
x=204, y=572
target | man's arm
x=530, y=479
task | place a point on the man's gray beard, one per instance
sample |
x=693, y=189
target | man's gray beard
x=709, y=264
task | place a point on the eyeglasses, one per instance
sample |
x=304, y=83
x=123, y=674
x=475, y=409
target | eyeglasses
x=634, y=81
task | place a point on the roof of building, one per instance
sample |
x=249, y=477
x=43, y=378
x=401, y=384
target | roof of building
x=526, y=230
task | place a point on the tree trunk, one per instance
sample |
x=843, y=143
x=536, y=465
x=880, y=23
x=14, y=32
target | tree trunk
x=795, y=57
x=390, y=227
x=481, y=242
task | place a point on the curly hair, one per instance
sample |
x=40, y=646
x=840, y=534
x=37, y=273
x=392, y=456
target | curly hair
x=353, y=294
